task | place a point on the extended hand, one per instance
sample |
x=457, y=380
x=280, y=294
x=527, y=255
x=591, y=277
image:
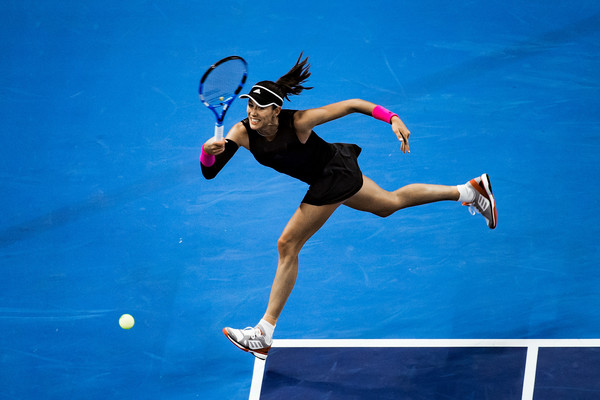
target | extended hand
x=402, y=133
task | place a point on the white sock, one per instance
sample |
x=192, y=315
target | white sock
x=267, y=328
x=467, y=193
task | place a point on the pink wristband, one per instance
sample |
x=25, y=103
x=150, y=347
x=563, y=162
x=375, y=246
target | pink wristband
x=206, y=159
x=383, y=114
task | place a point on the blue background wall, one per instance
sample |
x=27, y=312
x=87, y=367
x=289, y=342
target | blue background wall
x=104, y=210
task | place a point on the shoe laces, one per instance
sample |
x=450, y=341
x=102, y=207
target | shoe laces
x=252, y=332
x=473, y=210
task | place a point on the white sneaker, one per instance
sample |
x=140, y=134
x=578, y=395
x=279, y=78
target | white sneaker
x=251, y=340
x=484, y=202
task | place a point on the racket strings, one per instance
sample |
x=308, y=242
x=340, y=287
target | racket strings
x=223, y=82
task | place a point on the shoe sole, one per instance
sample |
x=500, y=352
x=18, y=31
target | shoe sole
x=485, y=188
x=260, y=354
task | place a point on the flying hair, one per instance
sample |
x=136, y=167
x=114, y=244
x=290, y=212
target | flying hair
x=291, y=83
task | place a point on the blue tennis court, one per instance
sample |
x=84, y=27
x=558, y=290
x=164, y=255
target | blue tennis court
x=105, y=210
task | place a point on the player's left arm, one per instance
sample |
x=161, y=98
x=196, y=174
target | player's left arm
x=306, y=120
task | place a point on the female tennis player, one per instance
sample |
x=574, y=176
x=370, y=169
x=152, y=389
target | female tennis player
x=285, y=141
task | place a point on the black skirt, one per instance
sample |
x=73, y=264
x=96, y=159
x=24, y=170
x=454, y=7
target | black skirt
x=341, y=177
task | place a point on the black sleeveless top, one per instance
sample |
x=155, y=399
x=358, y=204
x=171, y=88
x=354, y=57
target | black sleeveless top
x=286, y=154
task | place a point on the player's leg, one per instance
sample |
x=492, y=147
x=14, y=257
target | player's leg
x=307, y=220
x=477, y=193
x=374, y=199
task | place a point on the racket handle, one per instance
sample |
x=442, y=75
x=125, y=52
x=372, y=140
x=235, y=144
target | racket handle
x=218, y=132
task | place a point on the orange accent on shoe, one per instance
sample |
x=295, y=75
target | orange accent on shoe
x=478, y=187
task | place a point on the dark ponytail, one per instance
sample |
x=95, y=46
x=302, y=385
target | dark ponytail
x=291, y=83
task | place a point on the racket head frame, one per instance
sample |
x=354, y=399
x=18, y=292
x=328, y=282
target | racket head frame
x=220, y=109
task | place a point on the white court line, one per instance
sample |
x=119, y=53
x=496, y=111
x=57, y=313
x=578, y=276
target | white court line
x=436, y=342
x=257, y=378
x=530, y=369
x=532, y=346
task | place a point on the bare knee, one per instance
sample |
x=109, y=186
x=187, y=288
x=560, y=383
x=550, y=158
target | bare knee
x=288, y=247
x=384, y=213
x=375, y=200
x=386, y=206
x=382, y=207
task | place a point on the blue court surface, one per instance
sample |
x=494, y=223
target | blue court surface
x=105, y=210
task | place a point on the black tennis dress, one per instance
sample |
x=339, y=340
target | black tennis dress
x=331, y=169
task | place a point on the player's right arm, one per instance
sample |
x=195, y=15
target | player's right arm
x=217, y=153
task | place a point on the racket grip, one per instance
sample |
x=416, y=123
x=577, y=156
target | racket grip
x=218, y=132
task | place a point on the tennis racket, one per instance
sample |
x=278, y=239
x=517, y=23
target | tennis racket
x=220, y=85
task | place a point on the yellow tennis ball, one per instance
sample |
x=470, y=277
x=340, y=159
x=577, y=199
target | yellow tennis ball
x=126, y=321
x=221, y=98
